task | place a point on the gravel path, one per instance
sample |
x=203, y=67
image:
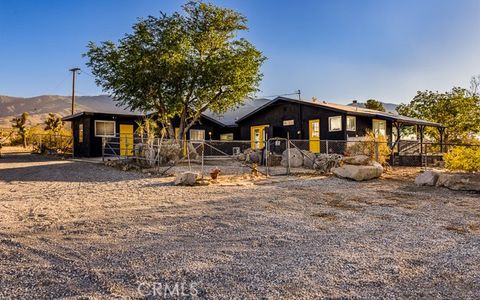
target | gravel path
x=73, y=229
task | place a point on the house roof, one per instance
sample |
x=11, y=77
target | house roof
x=88, y=113
x=351, y=110
x=230, y=117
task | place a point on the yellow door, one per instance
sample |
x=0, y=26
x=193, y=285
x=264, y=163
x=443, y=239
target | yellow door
x=257, y=136
x=126, y=140
x=314, y=135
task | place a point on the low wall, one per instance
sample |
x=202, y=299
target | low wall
x=416, y=160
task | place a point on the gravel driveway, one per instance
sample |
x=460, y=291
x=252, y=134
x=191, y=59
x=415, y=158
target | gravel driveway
x=74, y=229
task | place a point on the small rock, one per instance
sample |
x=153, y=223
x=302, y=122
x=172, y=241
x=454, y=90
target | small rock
x=185, y=178
x=429, y=177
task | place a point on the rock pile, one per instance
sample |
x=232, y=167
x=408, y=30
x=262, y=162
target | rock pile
x=251, y=156
x=318, y=161
x=359, y=168
x=453, y=181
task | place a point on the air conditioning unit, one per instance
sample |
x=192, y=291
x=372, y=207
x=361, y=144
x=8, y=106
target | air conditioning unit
x=236, y=150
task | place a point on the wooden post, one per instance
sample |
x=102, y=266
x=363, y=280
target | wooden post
x=441, y=130
x=421, y=127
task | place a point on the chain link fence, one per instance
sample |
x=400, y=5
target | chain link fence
x=275, y=156
x=51, y=144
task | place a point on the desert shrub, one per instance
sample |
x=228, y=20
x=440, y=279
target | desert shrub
x=44, y=141
x=463, y=159
x=367, y=147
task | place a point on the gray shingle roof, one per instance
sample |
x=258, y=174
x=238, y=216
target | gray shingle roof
x=230, y=117
x=353, y=110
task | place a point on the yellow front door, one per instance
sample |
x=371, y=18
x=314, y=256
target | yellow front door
x=314, y=135
x=257, y=136
x=126, y=140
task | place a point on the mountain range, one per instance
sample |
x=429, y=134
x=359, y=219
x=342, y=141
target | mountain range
x=39, y=107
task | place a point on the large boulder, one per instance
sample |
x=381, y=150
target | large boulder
x=296, y=158
x=359, y=160
x=309, y=159
x=185, y=178
x=359, y=173
x=429, y=177
x=460, y=181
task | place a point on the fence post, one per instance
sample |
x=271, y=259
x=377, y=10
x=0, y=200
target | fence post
x=103, y=149
x=266, y=155
x=376, y=151
x=126, y=147
x=288, y=153
x=326, y=145
x=203, y=156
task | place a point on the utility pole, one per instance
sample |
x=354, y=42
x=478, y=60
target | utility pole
x=74, y=77
x=299, y=95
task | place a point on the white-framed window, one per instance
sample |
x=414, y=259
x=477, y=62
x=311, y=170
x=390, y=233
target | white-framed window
x=351, y=123
x=80, y=133
x=379, y=127
x=226, y=137
x=105, y=128
x=335, y=123
x=197, y=134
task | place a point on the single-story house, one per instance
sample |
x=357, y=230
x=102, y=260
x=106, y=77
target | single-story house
x=316, y=120
x=255, y=121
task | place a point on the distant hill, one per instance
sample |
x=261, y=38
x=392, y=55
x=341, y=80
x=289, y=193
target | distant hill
x=389, y=107
x=39, y=107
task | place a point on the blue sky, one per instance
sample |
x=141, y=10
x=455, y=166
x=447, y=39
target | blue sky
x=335, y=50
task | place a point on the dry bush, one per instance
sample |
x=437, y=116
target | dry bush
x=368, y=147
x=463, y=159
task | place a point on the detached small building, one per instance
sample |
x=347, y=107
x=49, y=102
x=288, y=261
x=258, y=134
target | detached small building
x=90, y=127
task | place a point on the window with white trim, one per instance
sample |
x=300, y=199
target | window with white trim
x=226, y=137
x=197, y=135
x=105, y=128
x=351, y=123
x=379, y=127
x=335, y=123
x=80, y=133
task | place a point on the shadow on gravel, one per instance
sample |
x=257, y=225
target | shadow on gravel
x=32, y=167
x=11, y=158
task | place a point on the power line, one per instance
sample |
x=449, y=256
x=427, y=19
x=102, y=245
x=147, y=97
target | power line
x=280, y=95
x=86, y=73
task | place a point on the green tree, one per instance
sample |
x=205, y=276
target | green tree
x=375, y=105
x=20, y=125
x=457, y=109
x=53, y=123
x=180, y=65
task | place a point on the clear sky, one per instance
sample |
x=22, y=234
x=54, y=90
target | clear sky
x=335, y=50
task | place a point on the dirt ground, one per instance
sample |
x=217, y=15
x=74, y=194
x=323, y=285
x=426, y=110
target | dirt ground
x=82, y=230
